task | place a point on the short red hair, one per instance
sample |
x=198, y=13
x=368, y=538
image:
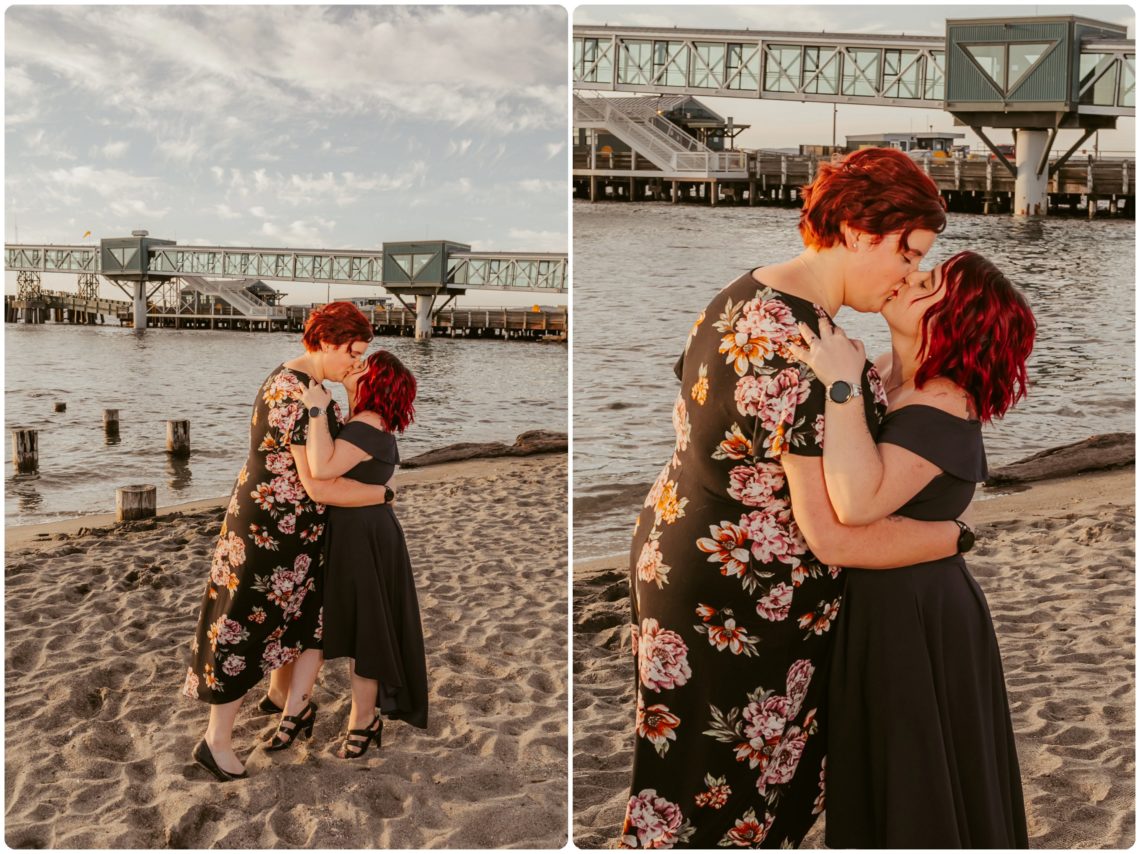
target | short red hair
x=978, y=336
x=876, y=190
x=336, y=323
x=388, y=389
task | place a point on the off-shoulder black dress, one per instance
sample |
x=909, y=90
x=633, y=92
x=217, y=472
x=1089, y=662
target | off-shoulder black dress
x=371, y=613
x=920, y=751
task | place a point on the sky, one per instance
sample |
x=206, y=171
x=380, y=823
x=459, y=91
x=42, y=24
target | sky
x=787, y=124
x=288, y=126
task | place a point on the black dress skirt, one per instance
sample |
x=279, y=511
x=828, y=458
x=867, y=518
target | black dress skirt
x=920, y=749
x=371, y=612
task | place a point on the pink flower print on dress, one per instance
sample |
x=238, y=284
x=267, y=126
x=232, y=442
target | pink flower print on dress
x=749, y=395
x=774, y=536
x=776, y=603
x=650, y=566
x=756, y=485
x=817, y=430
x=818, y=806
x=662, y=657
x=799, y=678
x=764, y=722
x=785, y=759
x=781, y=395
x=287, y=524
x=654, y=822
x=681, y=425
x=190, y=685
x=279, y=463
x=233, y=665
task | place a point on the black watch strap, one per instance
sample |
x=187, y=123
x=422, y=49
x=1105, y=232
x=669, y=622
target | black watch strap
x=966, y=536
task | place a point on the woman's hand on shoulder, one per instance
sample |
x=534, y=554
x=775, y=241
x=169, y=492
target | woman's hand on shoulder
x=831, y=355
x=316, y=395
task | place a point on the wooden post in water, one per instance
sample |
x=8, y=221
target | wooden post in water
x=26, y=449
x=178, y=438
x=111, y=422
x=60, y=406
x=135, y=502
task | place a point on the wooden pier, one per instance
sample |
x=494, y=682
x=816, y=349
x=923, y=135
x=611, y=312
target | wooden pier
x=969, y=185
x=505, y=323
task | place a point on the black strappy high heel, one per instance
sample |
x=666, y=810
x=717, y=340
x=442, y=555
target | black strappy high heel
x=205, y=758
x=302, y=725
x=357, y=742
x=268, y=707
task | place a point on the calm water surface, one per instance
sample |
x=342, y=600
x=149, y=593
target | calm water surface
x=469, y=391
x=642, y=273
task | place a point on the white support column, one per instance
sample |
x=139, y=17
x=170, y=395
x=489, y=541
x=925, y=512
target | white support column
x=140, y=305
x=1030, y=190
x=423, y=315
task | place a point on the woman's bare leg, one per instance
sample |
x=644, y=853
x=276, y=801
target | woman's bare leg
x=279, y=681
x=220, y=733
x=363, y=700
x=304, y=677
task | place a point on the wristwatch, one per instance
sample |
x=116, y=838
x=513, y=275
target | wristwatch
x=966, y=536
x=842, y=391
x=316, y=411
x=389, y=494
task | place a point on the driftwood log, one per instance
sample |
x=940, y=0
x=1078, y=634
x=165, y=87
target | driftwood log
x=531, y=442
x=1096, y=453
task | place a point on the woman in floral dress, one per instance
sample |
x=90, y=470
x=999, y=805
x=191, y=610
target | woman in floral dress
x=732, y=610
x=261, y=612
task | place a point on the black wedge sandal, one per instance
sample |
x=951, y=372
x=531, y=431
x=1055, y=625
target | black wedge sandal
x=205, y=758
x=357, y=742
x=302, y=724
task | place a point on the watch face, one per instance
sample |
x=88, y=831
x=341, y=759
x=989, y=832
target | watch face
x=965, y=540
x=840, y=391
x=314, y=412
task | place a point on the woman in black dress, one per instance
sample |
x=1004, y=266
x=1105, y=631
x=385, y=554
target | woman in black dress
x=372, y=615
x=261, y=612
x=732, y=612
x=921, y=750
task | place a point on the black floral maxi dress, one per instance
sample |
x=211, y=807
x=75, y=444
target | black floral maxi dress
x=262, y=605
x=731, y=611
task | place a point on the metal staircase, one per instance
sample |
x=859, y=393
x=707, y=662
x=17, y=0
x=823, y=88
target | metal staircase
x=235, y=295
x=659, y=141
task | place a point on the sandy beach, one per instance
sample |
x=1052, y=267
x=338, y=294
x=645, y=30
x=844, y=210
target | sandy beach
x=1056, y=561
x=98, y=623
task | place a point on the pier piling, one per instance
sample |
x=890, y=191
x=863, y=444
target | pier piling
x=178, y=438
x=25, y=450
x=135, y=502
x=111, y=422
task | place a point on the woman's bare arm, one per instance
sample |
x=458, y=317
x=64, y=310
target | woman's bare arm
x=339, y=491
x=885, y=544
x=329, y=458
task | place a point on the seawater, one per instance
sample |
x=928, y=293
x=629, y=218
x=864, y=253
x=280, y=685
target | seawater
x=643, y=272
x=469, y=391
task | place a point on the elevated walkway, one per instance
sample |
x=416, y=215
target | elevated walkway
x=674, y=154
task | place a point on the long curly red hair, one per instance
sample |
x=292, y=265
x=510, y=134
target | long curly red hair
x=388, y=389
x=876, y=190
x=979, y=336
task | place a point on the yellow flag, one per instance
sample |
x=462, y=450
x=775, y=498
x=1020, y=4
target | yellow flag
x=87, y=234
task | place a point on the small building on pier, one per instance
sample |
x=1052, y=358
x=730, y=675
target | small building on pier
x=686, y=113
x=935, y=141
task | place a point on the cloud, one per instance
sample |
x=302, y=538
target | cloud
x=553, y=148
x=459, y=147
x=309, y=233
x=137, y=208
x=526, y=239
x=540, y=185
x=114, y=150
x=225, y=212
